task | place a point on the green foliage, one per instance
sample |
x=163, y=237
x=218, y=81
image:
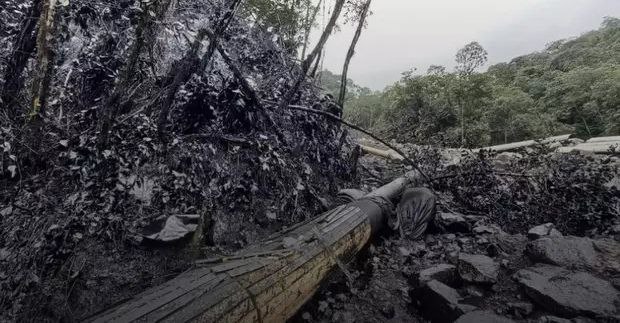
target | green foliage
x=573, y=86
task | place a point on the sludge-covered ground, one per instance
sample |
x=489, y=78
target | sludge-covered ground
x=558, y=262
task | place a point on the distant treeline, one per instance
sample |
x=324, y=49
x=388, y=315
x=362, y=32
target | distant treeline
x=573, y=86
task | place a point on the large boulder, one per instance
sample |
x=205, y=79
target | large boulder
x=577, y=253
x=482, y=317
x=440, y=303
x=477, y=269
x=444, y=273
x=452, y=222
x=568, y=293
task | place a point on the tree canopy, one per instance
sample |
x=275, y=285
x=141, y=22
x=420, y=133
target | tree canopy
x=572, y=86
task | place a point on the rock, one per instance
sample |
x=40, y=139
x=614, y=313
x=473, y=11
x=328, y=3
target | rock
x=569, y=293
x=552, y=319
x=477, y=268
x=493, y=250
x=521, y=309
x=575, y=141
x=487, y=229
x=577, y=253
x=585, y=320
x=482, y=317
x=474, y=291
x=543, y=230
x=452, y=222
x=615, y=282
x=444, y=273
x=440, y=303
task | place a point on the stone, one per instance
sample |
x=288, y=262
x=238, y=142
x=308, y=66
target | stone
x=568, y=293
x=477, y=268
x=444, y=273
x=577, y=253
x=582, y=319
x=452, y=222
x=474, y=291
x=552, y=319
x=543, y=230
x=482, y=317
x=440, y=303
x=521, y=309
x=487, y=229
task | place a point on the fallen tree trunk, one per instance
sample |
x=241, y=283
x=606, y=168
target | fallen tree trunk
x=603, y=139
x=595, y=147
x=268, y=282
x=523, y=144
x=389, y=154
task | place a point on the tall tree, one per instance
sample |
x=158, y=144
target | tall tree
x=308, y=23
x=23, y=48
x=45, y=57
x=468, y=59
x=358, y=32
x=145, y=34
x=307, y=63
x=187, y=66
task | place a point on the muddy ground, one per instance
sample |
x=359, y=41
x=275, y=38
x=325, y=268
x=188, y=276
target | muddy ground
x=470, y=268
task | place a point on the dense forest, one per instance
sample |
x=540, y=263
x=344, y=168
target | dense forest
x=572, y=86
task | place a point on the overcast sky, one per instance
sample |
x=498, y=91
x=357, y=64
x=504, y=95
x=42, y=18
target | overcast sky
x=406, y=34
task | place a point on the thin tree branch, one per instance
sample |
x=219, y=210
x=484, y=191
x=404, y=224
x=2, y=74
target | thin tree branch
x=250, y=92
x=360, y=129
x=305, y=65
x=351, y=52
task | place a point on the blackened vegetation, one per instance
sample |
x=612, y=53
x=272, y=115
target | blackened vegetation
x=578, y=193
x=501, y=243
x=140, y=124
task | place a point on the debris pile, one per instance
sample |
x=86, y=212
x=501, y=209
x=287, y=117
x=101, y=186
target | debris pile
x=477, y=262
x=90, y=215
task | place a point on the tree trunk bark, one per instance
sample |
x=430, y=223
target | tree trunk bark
x=305, y=65
x=144, y=30
x=22, y=50
x=268, y=282
x=187, y=64
x=308, y=29
x=351, y=52
x=45, y=58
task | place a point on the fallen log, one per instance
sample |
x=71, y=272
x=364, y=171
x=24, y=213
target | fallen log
x=523, y=144
x=595, y=147
x=614, y=139
x=271, y=281
x=389, y=154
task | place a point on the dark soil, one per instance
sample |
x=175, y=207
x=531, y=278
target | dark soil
x=387, y=288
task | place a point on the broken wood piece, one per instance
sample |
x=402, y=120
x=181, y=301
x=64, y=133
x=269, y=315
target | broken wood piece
x=523, y=144
x=595, y=147
x=603, y=139
x=389, y=154
x=253, y=287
